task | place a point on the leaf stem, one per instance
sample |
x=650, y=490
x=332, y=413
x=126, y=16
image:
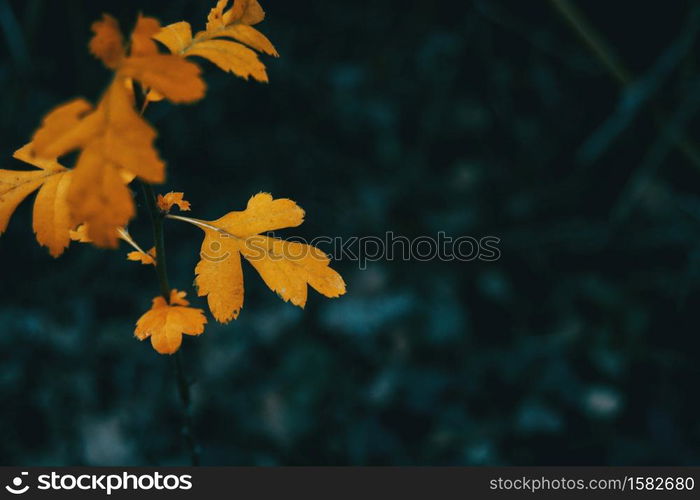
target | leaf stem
x=183, y=384
x=125, y=236
x=204, y=225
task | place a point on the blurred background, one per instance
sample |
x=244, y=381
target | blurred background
x=578, y=346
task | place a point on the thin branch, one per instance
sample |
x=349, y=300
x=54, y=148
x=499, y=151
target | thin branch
x=158, y=241
x=188, y=426
x=593, y=40
x=161, y=270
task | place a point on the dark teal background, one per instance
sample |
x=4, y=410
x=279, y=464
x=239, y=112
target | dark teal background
x=579, y=346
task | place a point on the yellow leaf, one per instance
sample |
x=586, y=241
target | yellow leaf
x=142, y=257
x=219, y=276
x=232, y=57
x=250, y=36
x=215, y=18
x=165, y=203
x=52, y=215
x=246, y=12
x=286, y=267
x=107, y=44
x=229, y=56
x=176, y=37
x=51, y=219
x=15, y=186
x=165, y=323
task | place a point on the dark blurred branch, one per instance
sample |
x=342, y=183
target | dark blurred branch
x=604, y=53
x=502, y=18
x=641, y=91
x=184, y=390
x=14, y=40
x=574, y=17
x=657, y=152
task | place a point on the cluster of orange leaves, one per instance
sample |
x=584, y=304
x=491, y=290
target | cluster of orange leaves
x=92, y=202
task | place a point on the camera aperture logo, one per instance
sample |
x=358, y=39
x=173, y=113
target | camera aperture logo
x=106, y=483
x=16, y=487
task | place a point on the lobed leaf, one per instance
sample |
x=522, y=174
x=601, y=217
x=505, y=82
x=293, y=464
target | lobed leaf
x=165, y=323
x=287, y=268
x=107, y=44
x=51, y=216
x=168, y=201
x=230, y=56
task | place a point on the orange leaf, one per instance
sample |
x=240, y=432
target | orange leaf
x=115, y=142
x=144, y=258
x=286, y=267
x=166, y=322
x=80, y=234
x=107, y=44
x=65, y=128
x=142, y=43
x=99, y=197
x=171, y=76
x=165, y=203
x=114, y=128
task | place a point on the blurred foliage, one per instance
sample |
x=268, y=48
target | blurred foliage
x=579, y=346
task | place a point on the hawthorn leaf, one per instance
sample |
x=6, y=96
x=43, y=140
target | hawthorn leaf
x=170, y=76
x=52, y=220
x=244, y=11
x=51, y=216
x=168, y=201
x=177, y=37
x=116, y=144
x=236, y=23
x=145, y=258
x=286, y=267
x=114, y=128
x=107, y=44
x=232, y=57
x=166, y=322
x=100, y=198
x=142, y=43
